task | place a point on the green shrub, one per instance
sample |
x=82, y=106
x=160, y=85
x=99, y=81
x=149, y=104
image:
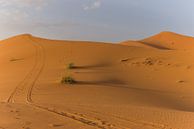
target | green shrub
x=68, y=80
x=70, y=66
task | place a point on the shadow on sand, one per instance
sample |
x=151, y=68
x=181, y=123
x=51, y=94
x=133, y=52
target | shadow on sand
x=117, y=84
x=108, y=82
x=101, y=65
x=156, y=46
x=164, y=99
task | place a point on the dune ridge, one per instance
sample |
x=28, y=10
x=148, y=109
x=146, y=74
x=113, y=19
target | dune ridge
x=166, y=40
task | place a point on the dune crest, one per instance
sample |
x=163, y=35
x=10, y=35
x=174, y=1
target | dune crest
x=137, y=44
x=165, y=40
x=171, y=40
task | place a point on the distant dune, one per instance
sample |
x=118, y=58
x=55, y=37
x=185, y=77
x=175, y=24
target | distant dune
x=145, y=84
x=166, y=40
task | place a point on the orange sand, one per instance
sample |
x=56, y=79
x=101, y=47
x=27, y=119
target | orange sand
x=146, y=84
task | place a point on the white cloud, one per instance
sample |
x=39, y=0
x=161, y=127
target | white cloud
x=12, y=15
x=23, y=3
x=18, y=10
x=94, y=5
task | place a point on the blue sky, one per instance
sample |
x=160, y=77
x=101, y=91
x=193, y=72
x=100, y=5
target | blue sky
x=96, y=20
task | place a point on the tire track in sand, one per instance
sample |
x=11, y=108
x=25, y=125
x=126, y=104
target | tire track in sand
x=26, y=78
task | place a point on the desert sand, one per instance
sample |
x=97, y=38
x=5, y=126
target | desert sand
x=145, y=84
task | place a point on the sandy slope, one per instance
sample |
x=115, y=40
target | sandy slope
x=164, y=40
x=139, y=86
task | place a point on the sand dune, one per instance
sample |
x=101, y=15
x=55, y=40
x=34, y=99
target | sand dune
x=147, y=84
x=165, y=40
x=171, y=40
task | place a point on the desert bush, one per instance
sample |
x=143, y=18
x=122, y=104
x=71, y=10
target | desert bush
x=70, y=66
x=68, y=80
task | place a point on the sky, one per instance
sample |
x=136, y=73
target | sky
x=95, y=20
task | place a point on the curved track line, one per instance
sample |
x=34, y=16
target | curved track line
x=22, y=83
x=131, y=120
x=43, y=58
x=83, y=120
